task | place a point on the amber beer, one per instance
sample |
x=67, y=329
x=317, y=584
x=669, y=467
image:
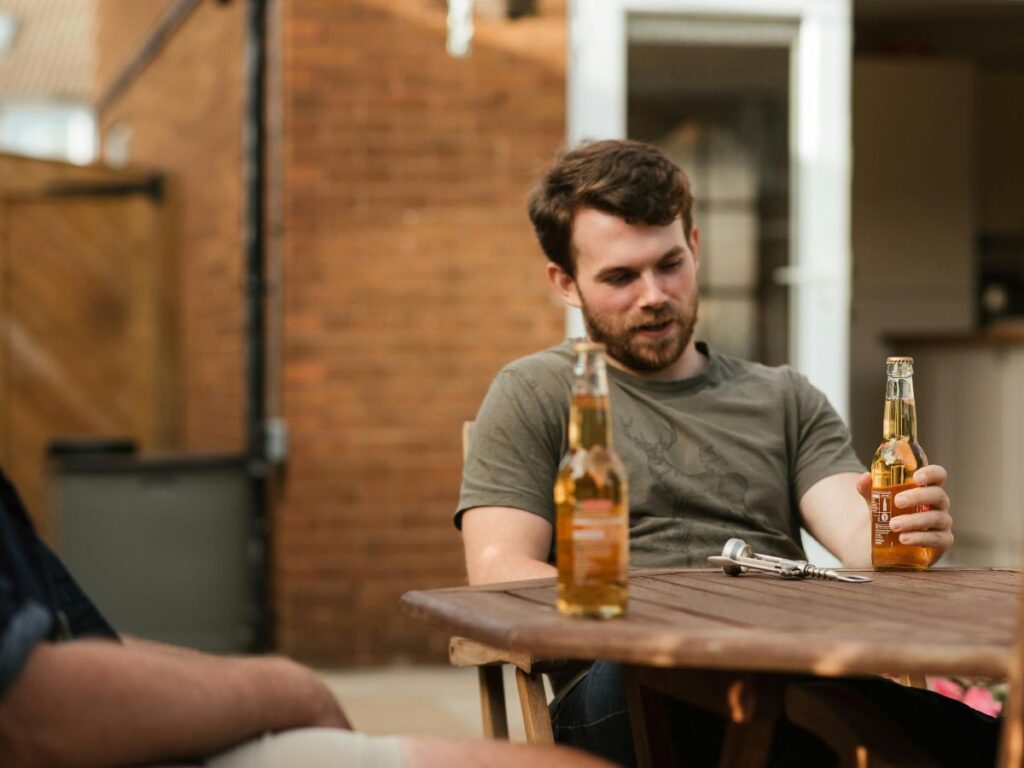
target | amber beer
x=892, y=471
x=591, y=500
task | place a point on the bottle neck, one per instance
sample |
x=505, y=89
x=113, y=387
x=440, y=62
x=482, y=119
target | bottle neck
x=589, y=420
x=900, y=416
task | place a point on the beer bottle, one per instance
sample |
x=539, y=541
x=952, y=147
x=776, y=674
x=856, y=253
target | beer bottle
x=591, y=499
x=892, y=471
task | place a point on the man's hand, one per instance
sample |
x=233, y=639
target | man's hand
x=931, y=525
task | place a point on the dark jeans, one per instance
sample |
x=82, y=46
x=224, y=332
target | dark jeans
x=594, y=717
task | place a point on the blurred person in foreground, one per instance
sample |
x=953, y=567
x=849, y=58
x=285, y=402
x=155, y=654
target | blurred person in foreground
x=73, y=693
x=715, y=447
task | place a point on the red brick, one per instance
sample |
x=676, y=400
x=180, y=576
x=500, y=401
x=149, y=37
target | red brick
x=409, y=275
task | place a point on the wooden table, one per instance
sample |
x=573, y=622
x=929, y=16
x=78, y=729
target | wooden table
x=739, y=639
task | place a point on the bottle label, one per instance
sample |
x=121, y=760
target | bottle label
x=597, y=540
x=881, y=513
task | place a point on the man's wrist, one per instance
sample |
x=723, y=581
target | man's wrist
x=303, y=698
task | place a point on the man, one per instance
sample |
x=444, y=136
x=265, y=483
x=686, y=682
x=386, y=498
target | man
x=715, y=447
x=74, y=694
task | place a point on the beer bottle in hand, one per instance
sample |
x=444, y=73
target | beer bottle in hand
x=892, y=471
x=591, y=500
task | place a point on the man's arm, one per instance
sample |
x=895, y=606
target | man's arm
x=97, y=703
x=837, y=512
x=505, y=544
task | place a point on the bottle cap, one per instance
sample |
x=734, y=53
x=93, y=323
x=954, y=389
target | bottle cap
x=899, y=360
x=586, y=345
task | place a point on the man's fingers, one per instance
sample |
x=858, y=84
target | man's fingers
x=932, y=474
x=864, y=486
x=931, y=496
x=932, y=520
x=941, y=540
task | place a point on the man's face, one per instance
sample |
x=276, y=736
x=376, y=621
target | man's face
x=637, y=287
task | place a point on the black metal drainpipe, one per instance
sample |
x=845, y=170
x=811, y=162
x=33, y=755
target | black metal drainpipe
x=255, y=319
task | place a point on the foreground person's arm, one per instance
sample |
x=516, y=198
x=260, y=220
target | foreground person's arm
x=97, y=703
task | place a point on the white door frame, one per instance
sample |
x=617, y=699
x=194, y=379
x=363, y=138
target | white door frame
x=819, y=275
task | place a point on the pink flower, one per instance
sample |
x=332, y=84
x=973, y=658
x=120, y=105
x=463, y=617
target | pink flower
x=979, y=697
x=946, y=687
x=982, y=700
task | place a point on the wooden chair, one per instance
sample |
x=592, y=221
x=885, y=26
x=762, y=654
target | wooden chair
x=490, y=661
x=463, y=652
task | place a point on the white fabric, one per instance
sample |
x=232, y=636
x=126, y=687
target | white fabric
x=313, y=748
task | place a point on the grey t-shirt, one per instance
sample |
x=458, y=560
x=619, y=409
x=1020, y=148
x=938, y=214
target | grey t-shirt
x=727, y=453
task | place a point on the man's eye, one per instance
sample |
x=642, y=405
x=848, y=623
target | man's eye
x=671, y=266
x=619, y=278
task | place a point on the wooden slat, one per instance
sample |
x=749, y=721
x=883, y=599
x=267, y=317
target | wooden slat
x=796, y=604
x=533, y=701
x=492, y=702
x=781, y=607
x=463, y=652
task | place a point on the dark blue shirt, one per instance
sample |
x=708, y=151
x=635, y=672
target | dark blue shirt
x=39, y=600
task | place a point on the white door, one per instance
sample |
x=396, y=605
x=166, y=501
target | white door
x=815, y=37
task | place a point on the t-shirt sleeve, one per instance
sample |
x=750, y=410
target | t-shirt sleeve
x=823, y=443
x=517, y=442
x=84, y=618
x=23, y=624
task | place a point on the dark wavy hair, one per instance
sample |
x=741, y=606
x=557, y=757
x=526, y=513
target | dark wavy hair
x=628, y=179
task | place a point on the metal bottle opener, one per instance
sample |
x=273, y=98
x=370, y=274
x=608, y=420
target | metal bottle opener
x=737, y=557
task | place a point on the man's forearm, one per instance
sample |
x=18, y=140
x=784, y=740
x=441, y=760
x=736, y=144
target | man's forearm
x=93, y=703
x=502, y=569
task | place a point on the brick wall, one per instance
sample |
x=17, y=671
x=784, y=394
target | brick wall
x=184, y=112
x=407, y=276
x=410, y=277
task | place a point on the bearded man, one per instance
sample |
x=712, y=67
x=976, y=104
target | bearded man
x=715, y=447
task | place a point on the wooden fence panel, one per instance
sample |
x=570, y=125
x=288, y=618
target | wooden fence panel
x=87, y=343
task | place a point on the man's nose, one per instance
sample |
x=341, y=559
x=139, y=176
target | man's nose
x=654, y=294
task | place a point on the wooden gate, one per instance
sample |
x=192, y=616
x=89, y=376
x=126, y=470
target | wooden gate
x=86, y=314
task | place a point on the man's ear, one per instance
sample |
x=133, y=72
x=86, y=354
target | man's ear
x=695, y=246
x=564, y=284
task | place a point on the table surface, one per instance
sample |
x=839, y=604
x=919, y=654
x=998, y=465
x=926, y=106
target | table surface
x=939, y=622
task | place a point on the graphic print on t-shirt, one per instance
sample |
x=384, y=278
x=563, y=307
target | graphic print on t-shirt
x=712, y=485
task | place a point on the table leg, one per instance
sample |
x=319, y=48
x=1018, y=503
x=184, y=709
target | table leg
x=649, y=720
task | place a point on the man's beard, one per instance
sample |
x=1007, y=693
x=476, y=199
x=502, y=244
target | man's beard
x=633, y=351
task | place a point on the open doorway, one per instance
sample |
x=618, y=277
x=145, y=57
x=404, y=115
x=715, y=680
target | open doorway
x=721, y=111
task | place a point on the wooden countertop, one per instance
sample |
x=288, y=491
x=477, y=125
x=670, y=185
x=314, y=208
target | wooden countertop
x=1007, y=334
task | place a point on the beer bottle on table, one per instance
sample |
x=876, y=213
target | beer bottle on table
x=591, y=500
x=892, y=471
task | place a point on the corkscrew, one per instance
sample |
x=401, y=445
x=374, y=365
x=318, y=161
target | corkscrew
x=737, y=557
